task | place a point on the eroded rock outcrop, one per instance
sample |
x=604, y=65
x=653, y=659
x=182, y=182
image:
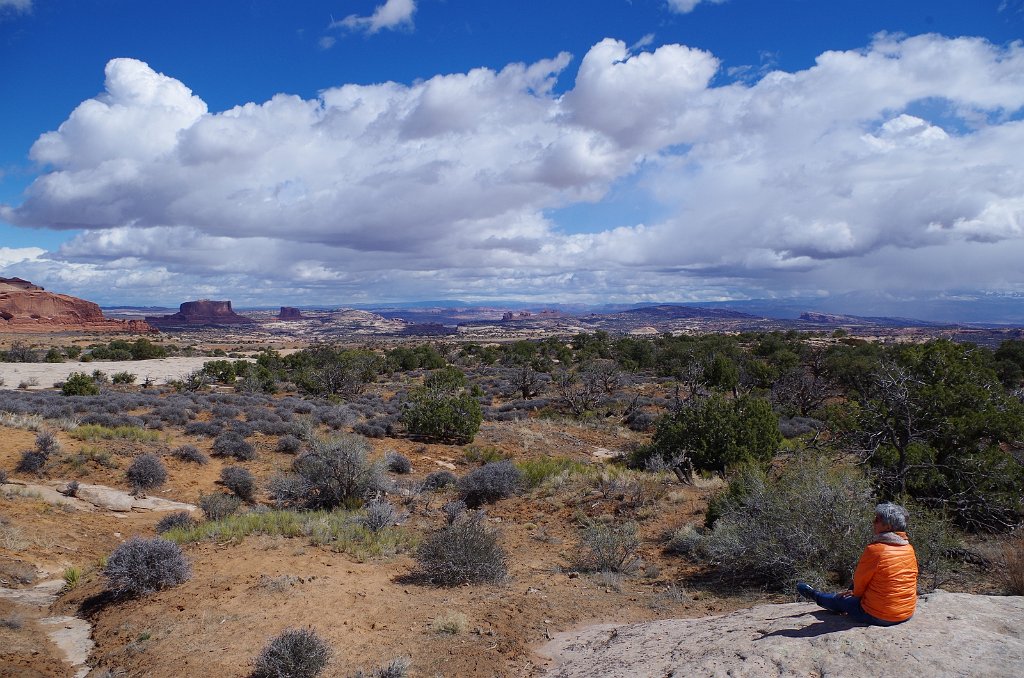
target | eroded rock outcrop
x=289, y=313
x=952, y=634
x=200, y=313
x=25, y=307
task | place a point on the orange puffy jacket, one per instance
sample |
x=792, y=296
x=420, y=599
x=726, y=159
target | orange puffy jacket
x=886, y=581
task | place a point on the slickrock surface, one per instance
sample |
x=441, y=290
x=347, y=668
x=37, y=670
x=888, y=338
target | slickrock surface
x=952, y=634
x=45, y=375
x=25, y=308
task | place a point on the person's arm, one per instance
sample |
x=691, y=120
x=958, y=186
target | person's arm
x=865, y=571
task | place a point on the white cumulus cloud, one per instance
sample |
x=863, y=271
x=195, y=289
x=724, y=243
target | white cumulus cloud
x=391, y=15
x=892, y=165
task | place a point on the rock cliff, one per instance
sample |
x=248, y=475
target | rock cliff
x=200, y=313
x=289, y=313
x=25, y=307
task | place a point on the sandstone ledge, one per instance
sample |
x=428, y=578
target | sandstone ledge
x=952, y=634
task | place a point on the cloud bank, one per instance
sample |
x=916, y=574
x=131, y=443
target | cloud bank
x=896, y=166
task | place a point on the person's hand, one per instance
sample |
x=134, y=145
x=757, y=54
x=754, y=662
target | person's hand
x=846, y=594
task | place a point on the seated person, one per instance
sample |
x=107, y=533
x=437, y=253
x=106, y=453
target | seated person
x=885, y=582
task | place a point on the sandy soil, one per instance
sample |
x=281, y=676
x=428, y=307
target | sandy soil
x=45, y=375
x=244, y=593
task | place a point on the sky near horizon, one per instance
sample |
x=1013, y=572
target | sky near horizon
x=601, y=151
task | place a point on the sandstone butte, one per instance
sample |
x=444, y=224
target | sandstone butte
x=200, y=313
x=25, y=308
x=290, y=313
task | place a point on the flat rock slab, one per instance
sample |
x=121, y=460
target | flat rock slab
x=91, y=497
x=952, y=634
x=40, y=595
x=72, y=636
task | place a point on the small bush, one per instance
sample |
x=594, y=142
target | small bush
x=146, y=472
x=31, y=462
x=1012, y=574
x=449, y=623
x=489, y=483
x=294, y=653
x=806, y=522
x=287, y=489
x=397, y=463
x=453, y=510
x=218, y=505
x=231, y=444
x=438, y=480
x=338, y=473
x=536, y=471
x=289, y=444
x=240, y=481
x=608, y=548
x=123, y=378
x=171, y=521
x=396, y=668
x=47, y=443
x=189, y=453
x=79, y=383
x=465, y=552
x=684, y=542
x=379, y=514
x=143, y=566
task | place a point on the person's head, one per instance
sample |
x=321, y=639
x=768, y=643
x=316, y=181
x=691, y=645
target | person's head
x=890, y=518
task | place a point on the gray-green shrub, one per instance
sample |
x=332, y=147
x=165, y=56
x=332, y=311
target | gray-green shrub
x=809, y=521
x=146, y=472
x=294, y=653
x=489, y=483
x=143, y=566
x=464, y=552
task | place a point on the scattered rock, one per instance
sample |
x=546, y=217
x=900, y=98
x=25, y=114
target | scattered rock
x=952, y=634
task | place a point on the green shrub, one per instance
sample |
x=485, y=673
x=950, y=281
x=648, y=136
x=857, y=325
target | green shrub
x=94, y=432
x=79, y=383
x=443, y=410
x=123, y=378
x=536, y=471
x=716, y=433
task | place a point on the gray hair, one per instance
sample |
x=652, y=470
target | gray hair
x=893, y=515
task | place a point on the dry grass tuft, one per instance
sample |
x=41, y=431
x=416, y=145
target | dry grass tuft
x=1012, y=575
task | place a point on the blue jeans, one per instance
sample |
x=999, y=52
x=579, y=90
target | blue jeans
x=850, y=606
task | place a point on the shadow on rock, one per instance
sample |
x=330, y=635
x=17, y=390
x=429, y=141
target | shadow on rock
x=828, y=622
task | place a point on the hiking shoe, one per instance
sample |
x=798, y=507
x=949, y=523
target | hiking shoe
x=805, y=590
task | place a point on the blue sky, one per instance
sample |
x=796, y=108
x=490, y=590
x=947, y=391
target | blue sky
x=359, y=151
